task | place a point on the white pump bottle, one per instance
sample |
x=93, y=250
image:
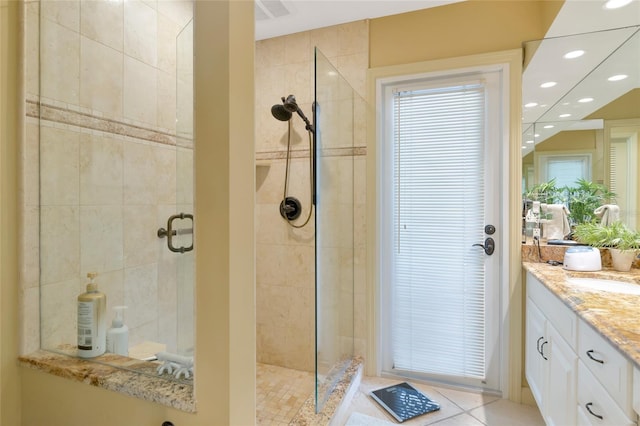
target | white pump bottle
x=118, y=334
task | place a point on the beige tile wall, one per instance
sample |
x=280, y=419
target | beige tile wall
x=108, y=162
x=285, y=256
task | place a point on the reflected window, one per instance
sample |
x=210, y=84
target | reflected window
x=565, y=168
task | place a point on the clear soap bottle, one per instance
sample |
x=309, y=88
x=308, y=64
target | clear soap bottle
x=92, y=320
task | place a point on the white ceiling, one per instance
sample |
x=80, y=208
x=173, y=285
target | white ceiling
x=611, y=41
x=304, y=15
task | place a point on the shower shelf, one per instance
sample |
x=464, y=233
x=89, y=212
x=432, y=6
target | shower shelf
x=263, y=163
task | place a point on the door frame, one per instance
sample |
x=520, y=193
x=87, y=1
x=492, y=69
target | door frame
x=510, y=347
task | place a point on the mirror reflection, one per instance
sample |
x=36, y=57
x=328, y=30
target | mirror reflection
x=587, y=141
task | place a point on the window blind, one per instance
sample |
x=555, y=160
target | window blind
x=567, y=170
x=613, y=175
x=438, y=314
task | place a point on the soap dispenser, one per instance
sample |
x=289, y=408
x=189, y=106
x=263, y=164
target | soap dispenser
x=92, y=320
x=118, y=334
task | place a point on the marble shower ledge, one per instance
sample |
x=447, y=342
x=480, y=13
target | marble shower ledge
x=307, y=415
x=135, y=378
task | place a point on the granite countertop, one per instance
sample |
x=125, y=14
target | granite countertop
x=121, y=374
x=615, y=316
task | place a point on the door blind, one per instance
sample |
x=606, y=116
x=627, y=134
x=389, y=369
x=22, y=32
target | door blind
x=438, y=314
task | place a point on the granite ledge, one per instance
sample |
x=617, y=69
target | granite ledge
x=614, y=316
x=132, y=378
x=307, y=415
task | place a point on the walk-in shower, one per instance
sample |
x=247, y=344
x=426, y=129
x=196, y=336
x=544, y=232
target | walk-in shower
x=115, y=136
x=305, y=316
x=290, y=207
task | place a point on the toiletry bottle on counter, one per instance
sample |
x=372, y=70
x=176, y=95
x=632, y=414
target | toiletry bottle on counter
x=92, y=321
x=118, y=334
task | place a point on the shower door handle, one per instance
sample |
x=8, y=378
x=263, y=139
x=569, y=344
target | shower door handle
x=170, y=232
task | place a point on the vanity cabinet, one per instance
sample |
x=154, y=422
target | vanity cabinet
x=608, y=366
x=595, y=405
x=575, y=375
x=550, y=358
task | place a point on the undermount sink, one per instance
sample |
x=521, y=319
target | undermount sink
x=597, y=284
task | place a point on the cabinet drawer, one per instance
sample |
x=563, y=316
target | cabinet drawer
x=608, y=365
x=594, y=403
x=559, y=314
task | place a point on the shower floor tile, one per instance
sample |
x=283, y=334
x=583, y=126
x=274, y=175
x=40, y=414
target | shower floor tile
x=280, y=393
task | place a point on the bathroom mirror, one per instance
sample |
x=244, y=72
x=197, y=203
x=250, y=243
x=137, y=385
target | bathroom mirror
x=591, y=131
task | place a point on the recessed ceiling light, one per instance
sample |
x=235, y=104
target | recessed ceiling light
x=564, y=115
x=549, y=126
x=524, y=147
x=565, y=103
x=537, y=135
x=529, y=141
x=615, y=4
x=574, y=54
x=585, y=100
x=617, y=77
x=548, y=84
x=530, y=104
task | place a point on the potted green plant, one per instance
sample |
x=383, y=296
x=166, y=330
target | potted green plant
x=584, y=198
x=545, y=192
x=622, y=242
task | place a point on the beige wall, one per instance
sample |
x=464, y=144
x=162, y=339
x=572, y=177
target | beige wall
x=459, y=29
x=9, y=137
x=569, y=140
x=225, y=353
x=626, y=106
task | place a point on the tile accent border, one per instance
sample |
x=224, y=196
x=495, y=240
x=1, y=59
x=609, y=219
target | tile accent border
x=304, y=153
x=64, y=115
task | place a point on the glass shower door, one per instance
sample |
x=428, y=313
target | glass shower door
x=185, y=262
x=336, y=104
x=106, y=158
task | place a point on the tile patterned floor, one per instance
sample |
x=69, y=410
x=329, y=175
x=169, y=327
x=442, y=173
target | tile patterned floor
x=280, y=393
x=458, y=408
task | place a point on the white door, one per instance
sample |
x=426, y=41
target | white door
x=442, y=226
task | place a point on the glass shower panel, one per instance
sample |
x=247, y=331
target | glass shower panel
x=185, y=271
x=115, y=121
x=336, y=104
